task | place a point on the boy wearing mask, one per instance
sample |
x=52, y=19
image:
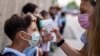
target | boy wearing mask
x=23, y=33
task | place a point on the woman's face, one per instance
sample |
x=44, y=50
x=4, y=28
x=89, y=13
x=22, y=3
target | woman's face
x=86, y=7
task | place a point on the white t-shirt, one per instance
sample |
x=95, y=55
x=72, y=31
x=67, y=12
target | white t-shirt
x=55, y=21
x=46, y=47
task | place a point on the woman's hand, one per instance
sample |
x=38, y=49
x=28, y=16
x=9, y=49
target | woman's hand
x=46, y=36
x=58, y=35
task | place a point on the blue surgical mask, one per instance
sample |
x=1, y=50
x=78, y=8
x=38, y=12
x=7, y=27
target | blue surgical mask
x=35, y=39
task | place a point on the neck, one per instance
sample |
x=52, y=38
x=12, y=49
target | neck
x=18, y=46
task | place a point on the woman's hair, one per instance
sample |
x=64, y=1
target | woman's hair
x=94, y=32
x=93, y=2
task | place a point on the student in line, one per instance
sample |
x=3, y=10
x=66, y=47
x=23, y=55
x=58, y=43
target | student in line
x=34, y=10
x=23, y=33
x=93, y=46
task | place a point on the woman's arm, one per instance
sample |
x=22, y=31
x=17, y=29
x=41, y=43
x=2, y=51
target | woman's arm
x=69, y=50
x=66, y=48
x=73, y=52
x=84, y=50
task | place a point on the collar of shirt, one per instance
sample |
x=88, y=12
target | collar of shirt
x=30, y=51
x=13, y=51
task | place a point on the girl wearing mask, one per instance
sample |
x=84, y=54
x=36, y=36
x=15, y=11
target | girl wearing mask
x=85, y=5
x=86, y=10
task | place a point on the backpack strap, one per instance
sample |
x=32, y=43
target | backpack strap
x=9, y=54
x=35, y=54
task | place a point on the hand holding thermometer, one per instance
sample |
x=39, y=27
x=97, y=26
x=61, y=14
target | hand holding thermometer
x=48, y=25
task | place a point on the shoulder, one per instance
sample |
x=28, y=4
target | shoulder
x=84, y=38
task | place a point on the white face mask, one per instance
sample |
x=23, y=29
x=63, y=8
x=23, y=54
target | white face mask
x=35, y=39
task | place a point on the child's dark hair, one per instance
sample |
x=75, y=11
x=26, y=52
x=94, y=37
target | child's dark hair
x=29, y=7
x=44, y=13
x=15, y=24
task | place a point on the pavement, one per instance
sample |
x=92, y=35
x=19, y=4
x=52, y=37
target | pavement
x=72, y=34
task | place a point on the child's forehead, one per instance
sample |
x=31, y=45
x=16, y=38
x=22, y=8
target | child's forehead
x=33, y=25
x=32, y=17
